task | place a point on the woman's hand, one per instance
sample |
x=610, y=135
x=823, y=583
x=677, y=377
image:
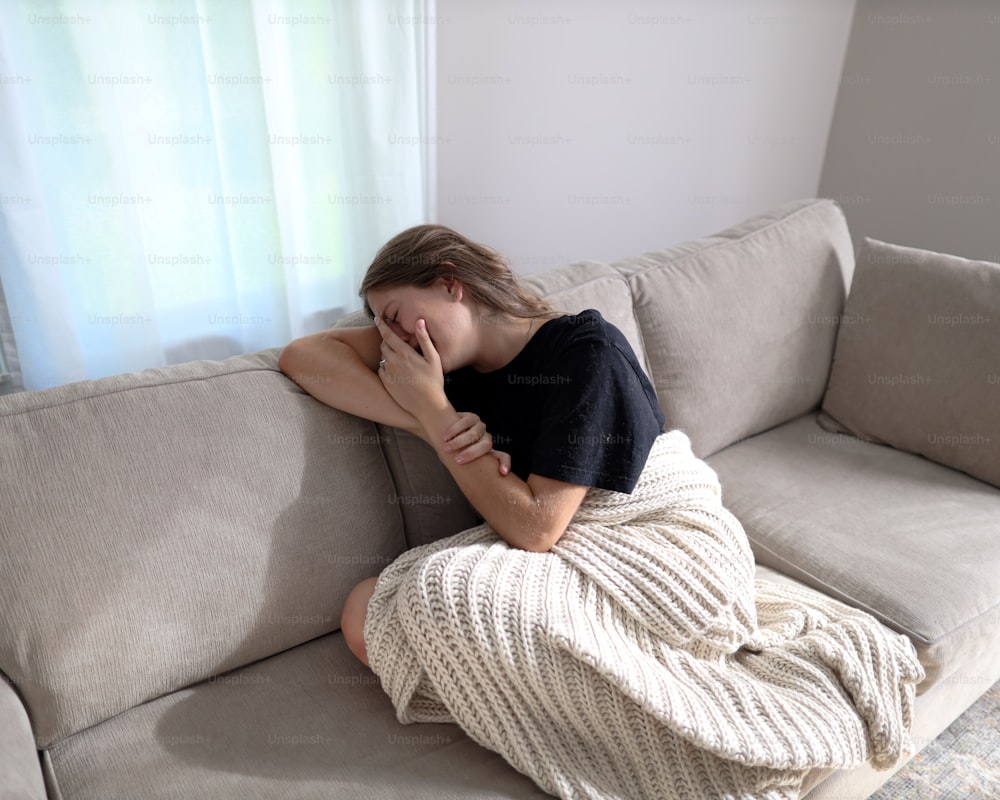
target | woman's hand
x=413, y=379
x=468, y=440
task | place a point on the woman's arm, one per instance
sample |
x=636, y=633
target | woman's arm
x=532, y=514
x=337, y=367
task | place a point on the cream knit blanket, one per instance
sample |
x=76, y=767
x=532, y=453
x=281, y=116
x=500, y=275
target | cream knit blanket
x=637, y=658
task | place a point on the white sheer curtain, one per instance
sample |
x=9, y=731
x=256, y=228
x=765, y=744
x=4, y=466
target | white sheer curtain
x=187, y=179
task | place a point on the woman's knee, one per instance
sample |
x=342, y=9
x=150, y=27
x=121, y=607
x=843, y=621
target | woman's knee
x=352, y=621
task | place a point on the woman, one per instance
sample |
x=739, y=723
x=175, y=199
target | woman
x=634, y=660
x=459, y=349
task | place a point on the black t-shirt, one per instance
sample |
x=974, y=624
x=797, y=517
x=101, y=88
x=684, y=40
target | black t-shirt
x=573, y=405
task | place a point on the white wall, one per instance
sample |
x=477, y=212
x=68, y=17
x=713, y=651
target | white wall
x=914, y=151
x=589, y=129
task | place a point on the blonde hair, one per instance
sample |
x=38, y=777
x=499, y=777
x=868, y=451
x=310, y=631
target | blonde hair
x=420, y=255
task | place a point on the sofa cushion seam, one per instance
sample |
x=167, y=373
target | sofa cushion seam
x=49, y=774
x=392, y=480
x=870, y=609
x=830, y=589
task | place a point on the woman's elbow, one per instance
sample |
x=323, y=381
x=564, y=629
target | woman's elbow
x=298, y=359
x=288, y=357
x=541, y=540
x=538, y=547
x=545, y=520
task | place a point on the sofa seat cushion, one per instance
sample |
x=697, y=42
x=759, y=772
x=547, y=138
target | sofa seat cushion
x=912, y=542
x=307, y=723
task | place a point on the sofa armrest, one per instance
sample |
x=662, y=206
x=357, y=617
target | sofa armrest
x=20, y=770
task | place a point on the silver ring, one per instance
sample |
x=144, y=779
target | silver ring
x=381, y=363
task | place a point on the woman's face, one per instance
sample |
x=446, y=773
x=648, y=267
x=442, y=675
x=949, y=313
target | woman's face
x=448, y=319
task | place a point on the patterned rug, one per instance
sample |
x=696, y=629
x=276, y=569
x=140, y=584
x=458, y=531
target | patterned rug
x=963, y=763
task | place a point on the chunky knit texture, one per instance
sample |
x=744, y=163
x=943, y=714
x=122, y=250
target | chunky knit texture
x=638, y=658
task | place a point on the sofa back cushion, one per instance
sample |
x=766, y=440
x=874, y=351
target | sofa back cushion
x=161, y=527
x=739, y=327
x=591, y=284
x=920, y=367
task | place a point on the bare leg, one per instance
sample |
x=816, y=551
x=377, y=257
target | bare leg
x=352, y=621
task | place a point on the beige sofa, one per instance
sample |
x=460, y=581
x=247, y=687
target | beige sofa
x=177, y=544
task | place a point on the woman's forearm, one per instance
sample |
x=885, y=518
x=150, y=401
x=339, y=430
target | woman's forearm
x=523, y=515
x=334, y=373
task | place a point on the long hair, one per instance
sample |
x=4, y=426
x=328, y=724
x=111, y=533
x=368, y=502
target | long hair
x=420, y=255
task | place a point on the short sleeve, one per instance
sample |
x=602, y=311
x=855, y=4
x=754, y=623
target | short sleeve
x=601, y=417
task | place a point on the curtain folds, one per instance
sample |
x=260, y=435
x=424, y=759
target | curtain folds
x=188, y=179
